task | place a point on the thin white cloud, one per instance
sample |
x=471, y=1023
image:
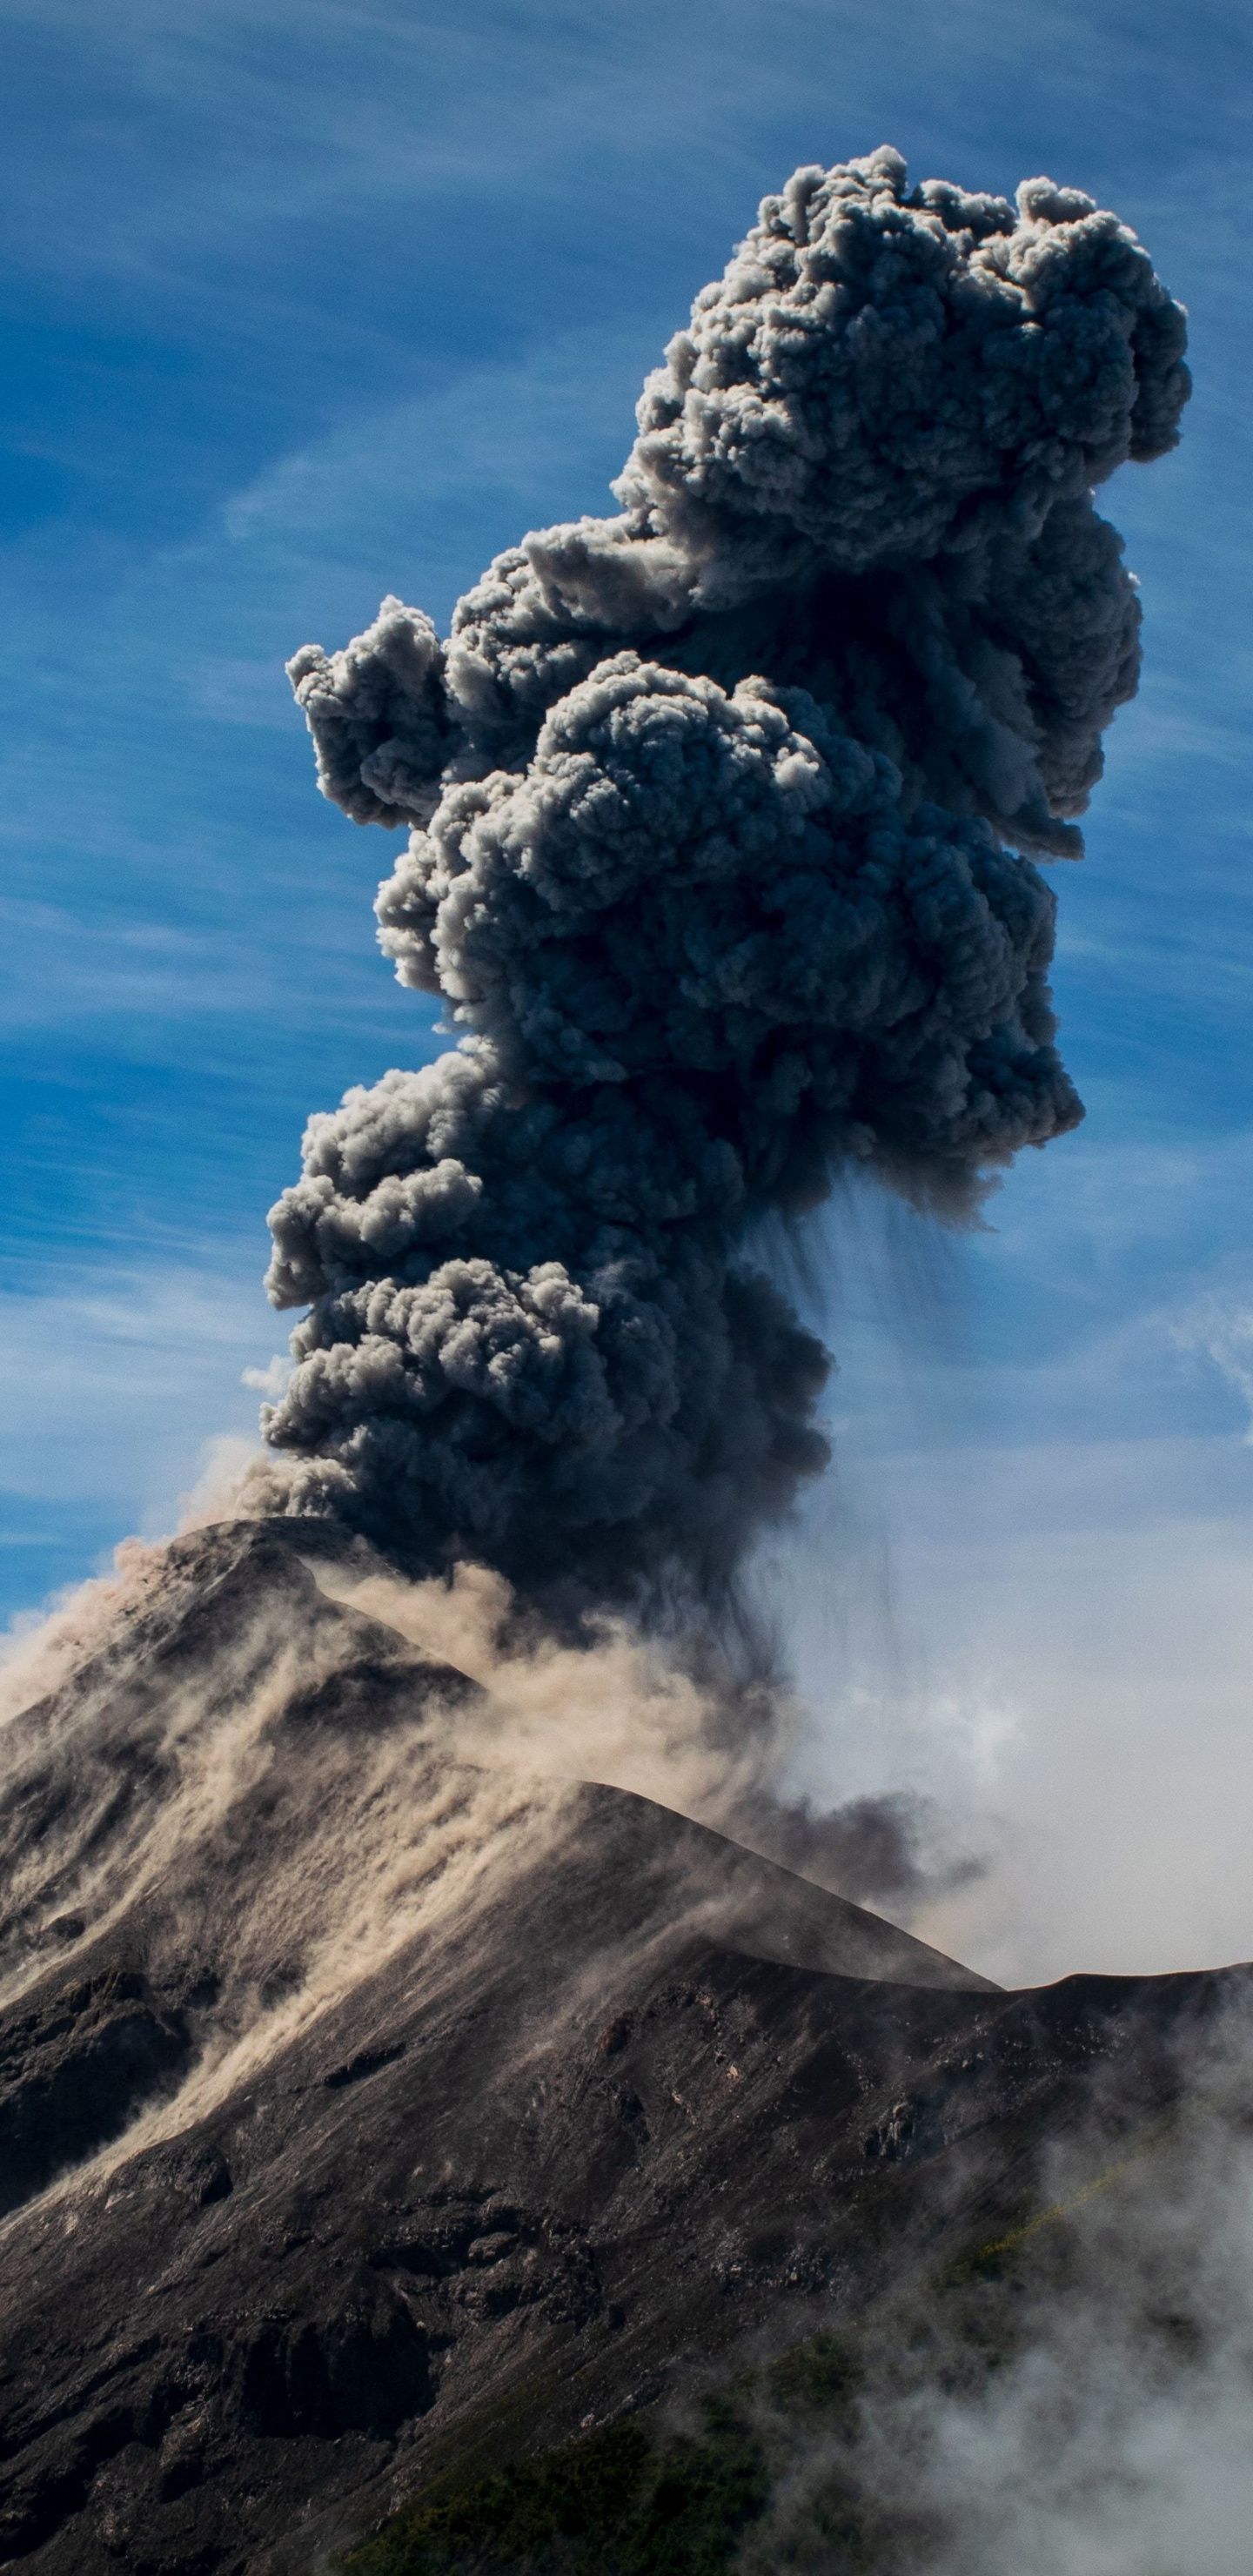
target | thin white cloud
x=266, y=112
x=1078, y=1702
x=112, y=1381
x=1221, y=1331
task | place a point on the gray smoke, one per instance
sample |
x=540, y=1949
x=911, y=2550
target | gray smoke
x=712, y=806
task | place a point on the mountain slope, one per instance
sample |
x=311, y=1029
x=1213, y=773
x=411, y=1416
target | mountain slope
x=363, y=2111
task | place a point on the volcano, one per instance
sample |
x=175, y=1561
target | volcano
x=365, y=2111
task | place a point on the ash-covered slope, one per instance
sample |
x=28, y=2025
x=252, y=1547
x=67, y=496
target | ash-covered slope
x=363, y=2110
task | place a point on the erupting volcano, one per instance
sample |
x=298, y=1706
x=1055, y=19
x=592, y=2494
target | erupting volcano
x=405, y=2064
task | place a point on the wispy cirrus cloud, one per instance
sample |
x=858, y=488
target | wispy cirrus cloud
x=116, y=1383
x=1219, y=1329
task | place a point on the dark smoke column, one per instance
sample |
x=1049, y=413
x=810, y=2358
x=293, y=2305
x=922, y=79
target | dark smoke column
x=718, y=815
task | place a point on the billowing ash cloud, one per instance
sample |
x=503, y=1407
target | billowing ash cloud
x=718, y=809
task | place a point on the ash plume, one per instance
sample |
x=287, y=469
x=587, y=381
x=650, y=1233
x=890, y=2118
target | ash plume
x=722, y=812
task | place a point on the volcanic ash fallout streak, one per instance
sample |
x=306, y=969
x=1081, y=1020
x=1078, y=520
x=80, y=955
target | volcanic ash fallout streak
x=720, y=810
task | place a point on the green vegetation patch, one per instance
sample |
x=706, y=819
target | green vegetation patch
x=638, y=2498
x=765, y=2477
x=622, y=2501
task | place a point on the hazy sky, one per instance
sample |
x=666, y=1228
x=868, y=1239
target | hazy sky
x=308, y=303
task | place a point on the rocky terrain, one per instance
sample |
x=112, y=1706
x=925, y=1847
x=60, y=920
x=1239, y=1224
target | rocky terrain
x=364, y=2112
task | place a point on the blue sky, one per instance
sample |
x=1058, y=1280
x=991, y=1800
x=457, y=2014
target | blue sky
x=305, y=303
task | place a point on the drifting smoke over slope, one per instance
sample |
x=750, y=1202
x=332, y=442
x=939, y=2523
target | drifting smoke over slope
x=711, y=807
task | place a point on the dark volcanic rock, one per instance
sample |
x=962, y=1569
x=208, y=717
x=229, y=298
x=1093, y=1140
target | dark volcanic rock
x=327, y=2163
x=74, y=2071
